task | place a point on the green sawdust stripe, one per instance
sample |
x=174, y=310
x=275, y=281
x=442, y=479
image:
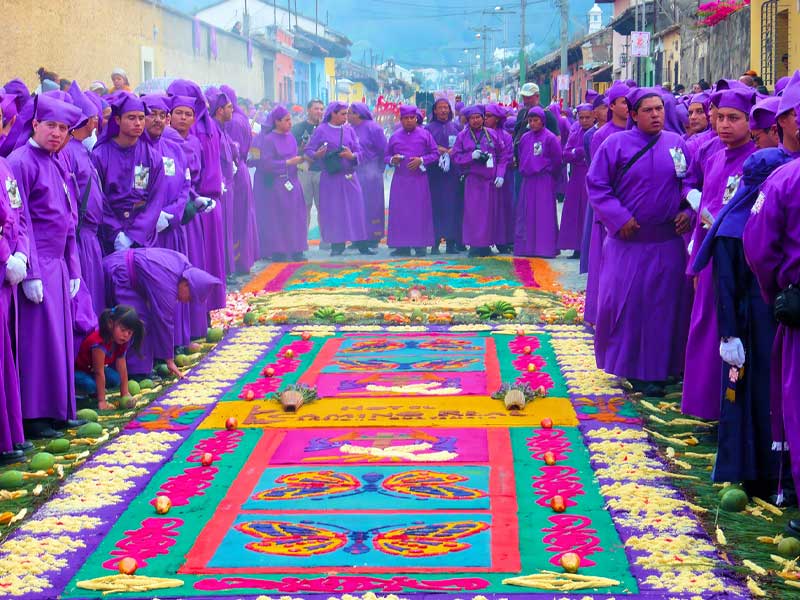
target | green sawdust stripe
x=510, y=373
x=741, y=529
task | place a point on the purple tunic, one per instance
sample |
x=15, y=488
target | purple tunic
x=478, y=229
x=503, y=198
x=13, y=238
x=410, y=209
x=87, y=184
x=281, y=212
x=245, y=230
x=645, y=275
x=53, y=259
x=176, y=184
x=370, y=175
x=341, y=202
x=598, y=234
x=574, y=212
x=147, y=279
x=702, y=383
x=446, y=197
x=129, y=179
x=537, y=218
x=228, y=160
x=772, y=246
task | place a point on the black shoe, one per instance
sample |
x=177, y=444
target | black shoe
x=39, y=429
x=337, y=249
x=25, y=446
x=420, y=251
x=575, y=254
x=11, y=457
x=299, y=257
x=363, y=248
x=435, y=251
x=69, y=423
x=473, y=253
x=400, y=252
x=793, y=528
x=451, y=248
x=278, y=257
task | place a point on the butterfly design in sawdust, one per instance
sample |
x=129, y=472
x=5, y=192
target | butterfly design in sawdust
x=310, y=538
x=421, y=484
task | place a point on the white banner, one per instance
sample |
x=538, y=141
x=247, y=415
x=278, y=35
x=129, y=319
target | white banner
x=640, y=43
x=563, y=83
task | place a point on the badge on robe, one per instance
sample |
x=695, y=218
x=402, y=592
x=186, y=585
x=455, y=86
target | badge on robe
x=12, y=189
x=679, y=160
x=169, y=166
x=730, y=188
x=451, y=140
x=141, y=177
x=188, y=174
x=758, y=203
x=537, y=148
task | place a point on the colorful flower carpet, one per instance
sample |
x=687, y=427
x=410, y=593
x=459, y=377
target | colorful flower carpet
x=406, y=291
x=399, y=476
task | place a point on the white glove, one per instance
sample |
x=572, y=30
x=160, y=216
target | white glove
x=163, y=221
x=693, y=198
x=422, y=168
x=16, y=268
x=122, y=242
x=34, y=291
x=476, y=154
x=212, y=204
x=498, y=182
x=235, y=168
x=444, y=162
x=732, y=351
x=201, y=202
x=74, y=286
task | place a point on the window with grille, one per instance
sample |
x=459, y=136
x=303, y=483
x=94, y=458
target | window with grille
x=769, y=58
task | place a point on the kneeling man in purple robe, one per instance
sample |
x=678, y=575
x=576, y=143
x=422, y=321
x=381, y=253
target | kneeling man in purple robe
x=644, y=297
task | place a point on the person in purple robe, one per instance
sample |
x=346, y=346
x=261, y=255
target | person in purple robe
x=536, y=230
x=220, y=108
x=723, y=173
x=503, y=201
x=672, y=120
x=182, y=118
x=574, y=213
x=245, y=230
x=14, y=252
x=763, y=127
x=341, y=205
x=370, y=169
x=786, y=117
x=563, y=136
x=616, y=123
x=16, y=96
x=747, y=332
x=176, y=183
x=130, y=171
x=635, y=188
x=53, y=276
x=89, y=200
x=153, y=281
x=477, y=152
x=411, y=150
x=447, y=197
x=281, y=207
x=600, y=113
x=209, y=186
x=698, y=116
x=772, y=248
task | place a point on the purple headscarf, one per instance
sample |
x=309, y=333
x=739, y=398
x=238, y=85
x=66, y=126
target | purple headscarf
x=121, y=103
x=409, y=110
x=276, y=115
x=52, y=109
x=672, y=121
x=17, y=90
x=498, y=111
x=216, y=100
x=333, y=107
x=362, y=110
x=586, y=106
x=475, y=109
x=791, y=95
x=231, y=94
x=631, y=83
x=536, y=111
x=432, y=117
x=79, y=99
x=459, y=107
x=741, y=99
x=636, y=95
x=202, y=120
x=780, y=84
x=201, y=284
x=156, y=102
x=703, y=98
x=591, y=94
x=763, y=114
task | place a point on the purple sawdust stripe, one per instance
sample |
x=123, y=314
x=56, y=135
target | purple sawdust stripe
x=524, y=271
x=276, y=283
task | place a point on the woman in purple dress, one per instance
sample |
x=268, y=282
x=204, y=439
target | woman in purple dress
x=370, y=169
x=576, y=198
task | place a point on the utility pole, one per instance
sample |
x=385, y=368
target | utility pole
x=523, y=62
x=481, y=33
x=564, y=5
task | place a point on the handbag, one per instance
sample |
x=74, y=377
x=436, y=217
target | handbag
x=787, y=307
x=331, y=162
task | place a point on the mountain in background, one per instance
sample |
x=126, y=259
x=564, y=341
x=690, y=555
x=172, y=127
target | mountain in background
x=427, y=33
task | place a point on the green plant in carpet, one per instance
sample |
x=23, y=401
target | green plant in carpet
x=327, y=314
x=417, y=316
x=526, y=390
x=495, y=311
x=309, y=393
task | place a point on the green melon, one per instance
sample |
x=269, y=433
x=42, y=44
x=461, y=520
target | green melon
x=734, y=500
x=728, y=488
x=127, y=402
x=90, y=430
x=789, y=547
x=250, y=318
x=42, y=461
x=214, y=334
x=571, y=315
x=87, y=414
x=59, y=445
x=162, y=370
x=11, y=479
x=194, y=347
x=134, y=387
x=180, y=360
x=146, y=384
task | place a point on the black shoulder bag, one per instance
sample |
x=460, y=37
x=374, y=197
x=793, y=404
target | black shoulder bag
x=331, y=161
x=634, y=159
x=82, y=207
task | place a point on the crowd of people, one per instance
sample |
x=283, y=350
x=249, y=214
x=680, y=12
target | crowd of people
x=122, y=216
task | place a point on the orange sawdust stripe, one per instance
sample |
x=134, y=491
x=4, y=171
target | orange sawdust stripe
x=260, y=281
x=545, y=275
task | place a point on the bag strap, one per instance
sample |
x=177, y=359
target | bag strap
x=634, y=159
x=83, y=206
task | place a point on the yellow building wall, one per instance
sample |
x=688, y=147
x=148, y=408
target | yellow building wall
x=787, y=34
